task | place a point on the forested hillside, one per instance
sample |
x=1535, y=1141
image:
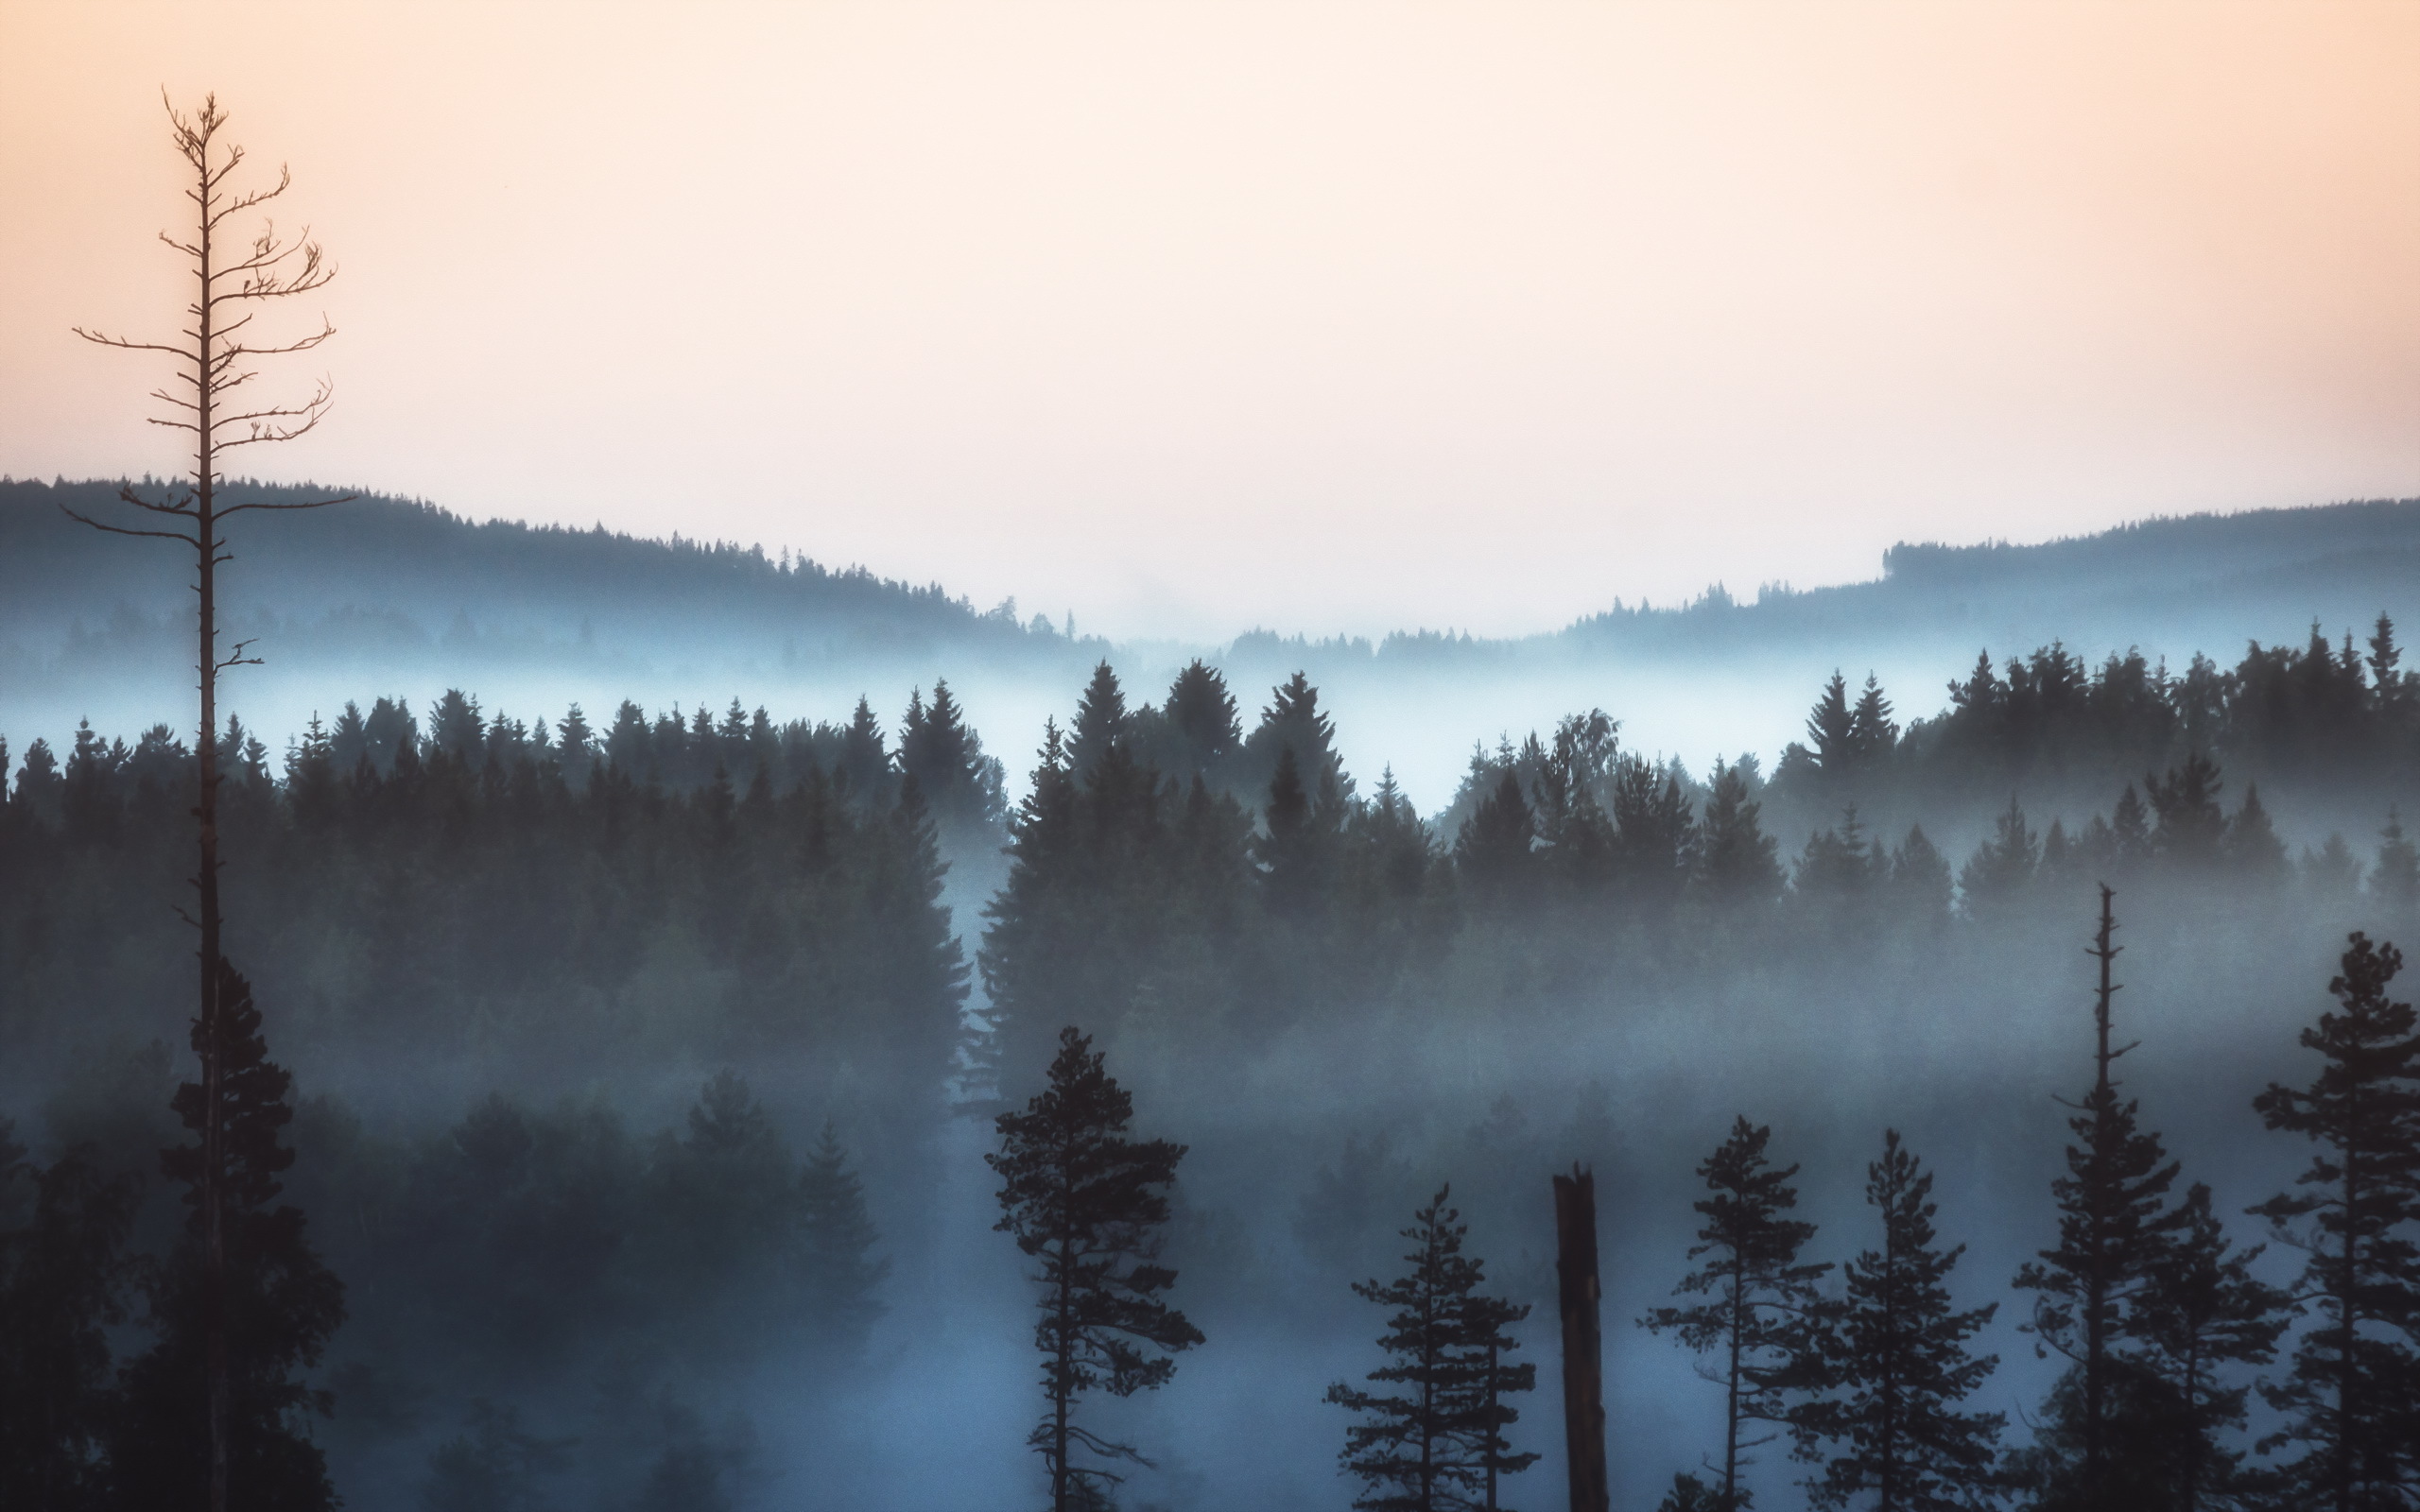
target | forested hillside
x=637, y=1062
x=406, y=597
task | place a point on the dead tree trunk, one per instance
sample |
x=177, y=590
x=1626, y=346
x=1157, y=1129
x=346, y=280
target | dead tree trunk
x=1584, y=1392
x=210, y=360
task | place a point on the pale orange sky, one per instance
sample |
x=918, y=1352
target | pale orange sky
x=1320, y=315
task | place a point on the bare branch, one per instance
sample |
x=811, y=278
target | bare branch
x=99, y=338
x=315, y=504
x=183, y=507
x=121, y=530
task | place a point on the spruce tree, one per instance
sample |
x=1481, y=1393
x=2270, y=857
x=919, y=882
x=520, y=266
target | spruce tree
x=1763, y=1322
x=1292, y=720
x=2251, y=848
x=2001, y=870
x=279, y=1303
x=1899, y=1363
x=1653, y=833
x=2191, y=827
x=1101, y=721
x=2112, y=1235
x=1494, y=850
x=842, y=1275
x=1919, y=886
x=1831, y=728
x=1205, y=734
x=1735, y=857
x=1873, y=736
x=2352, y=1395
x=1086, y=1203
x=1436, y=1442
x=2200, y=1312
x=2395, y=879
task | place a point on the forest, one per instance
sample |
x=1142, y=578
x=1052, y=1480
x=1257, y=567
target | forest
x=625, y=1103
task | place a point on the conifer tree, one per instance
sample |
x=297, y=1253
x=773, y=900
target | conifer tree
x=1493, y=851
x=864, y=767
x=2200, y=1312
x=1292, y=720
x=1919, y=882
x=2352, y=1395
x=842, y=1275
x=2001, y=869
x=1873, y=736
x=1831, y=728
x=1101, y=720
x=1205, y=733
x=2395, y=879
x=1653, y=833
x=2191, y=827
x=1899, y=1363
x=1086, y=1204
x=1735, y=857
x=2129, y=832
x=281, y=1303
x=1762, y=1324
x=1437, y=1442
x=2112, y=1237
x=2251, y=848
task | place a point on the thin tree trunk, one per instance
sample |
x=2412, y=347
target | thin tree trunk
x=2097, y=1282
x=214, y=1274
x=2347, y=1288
x=1731, y=1401
x=1487, y=1426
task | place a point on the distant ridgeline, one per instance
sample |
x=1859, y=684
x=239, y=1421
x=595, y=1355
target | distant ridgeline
x=380, y=578
x=2211, y=579
x=385, y=581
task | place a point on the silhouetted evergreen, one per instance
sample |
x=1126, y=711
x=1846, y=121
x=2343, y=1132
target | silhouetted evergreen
x=1763, y=1322
x=1085, y=1203
x=1898, y=1364
x=2113, y=1238
x=843, y=1277
x=1438, y=1441
x=2352, y=1394
x=1735, y=857
x=281, y=1306
x=2202, y=1312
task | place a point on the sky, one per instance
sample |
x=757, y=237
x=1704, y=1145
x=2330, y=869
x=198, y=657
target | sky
x=1188, y=318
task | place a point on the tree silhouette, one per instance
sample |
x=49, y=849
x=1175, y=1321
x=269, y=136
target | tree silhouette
x=2352, y=1394
x=1900, y=1364
x=279, y=1309
x=843, y=1277
x=1084, y=1202
x=1437, y=1442
x=214, y=361
x=2112, y=1234
x=2202, y=1311
x=1763, y=1320
x=1735, y=857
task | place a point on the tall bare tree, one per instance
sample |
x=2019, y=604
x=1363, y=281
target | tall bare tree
x=213, y=359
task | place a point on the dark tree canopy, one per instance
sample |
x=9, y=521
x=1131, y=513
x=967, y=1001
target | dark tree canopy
x=1085, y=1203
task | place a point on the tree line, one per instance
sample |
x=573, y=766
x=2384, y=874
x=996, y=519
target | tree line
x=2159, y=1316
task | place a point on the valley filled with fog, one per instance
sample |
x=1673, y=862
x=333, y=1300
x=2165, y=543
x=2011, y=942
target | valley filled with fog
x=653, y=963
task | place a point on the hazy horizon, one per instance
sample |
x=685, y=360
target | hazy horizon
x=1161, y=317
